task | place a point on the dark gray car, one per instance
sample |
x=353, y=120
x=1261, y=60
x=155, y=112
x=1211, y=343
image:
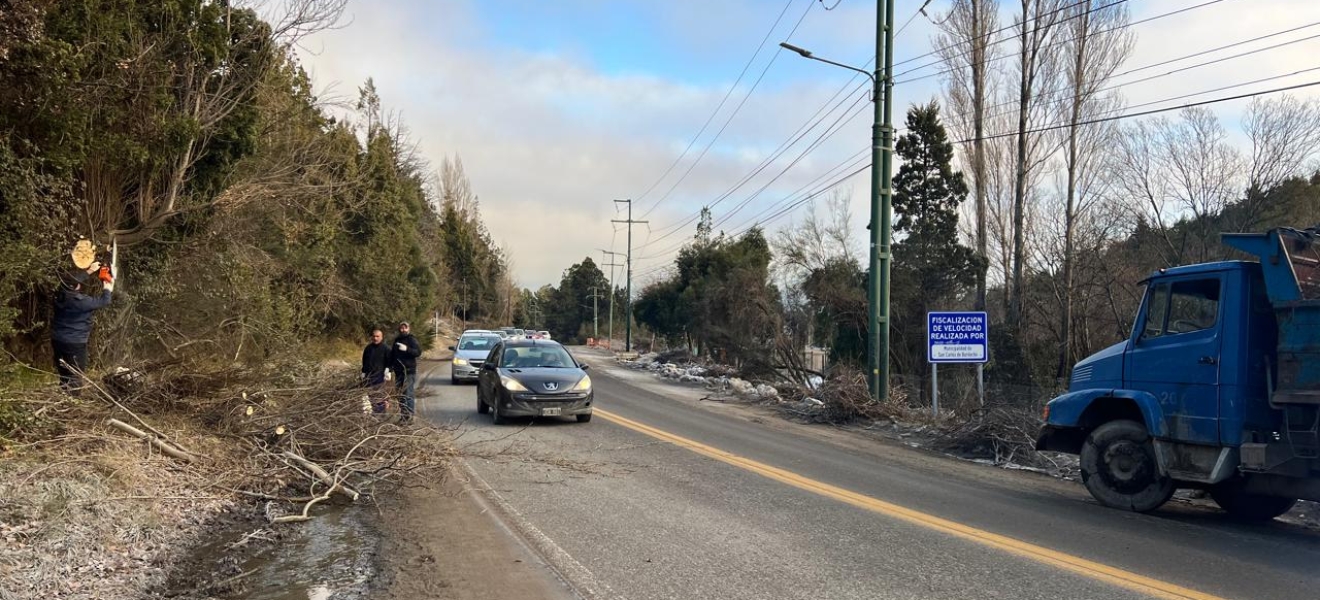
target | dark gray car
x=533, y=378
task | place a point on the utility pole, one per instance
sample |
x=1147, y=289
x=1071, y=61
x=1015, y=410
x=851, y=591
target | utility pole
x=611, y=265
x=595, y=312
x=627, y=307
x=882, y=194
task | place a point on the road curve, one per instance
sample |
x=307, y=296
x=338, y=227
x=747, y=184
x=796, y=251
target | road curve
x=665, y=497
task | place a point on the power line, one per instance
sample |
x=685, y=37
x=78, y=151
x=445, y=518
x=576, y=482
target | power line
x=1148, y=112
x=729, y=120
x=786, y=210
x=832, y=129
x=727, y=94
x=1052, y=43
x=854, y=159
x=920, y=11
x=1170, y=73
x=835, y=128
x=1174, y=60
x=861, y=161
x=807, y=126
x=986, y=35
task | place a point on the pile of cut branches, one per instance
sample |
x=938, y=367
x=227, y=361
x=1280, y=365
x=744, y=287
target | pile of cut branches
x=844, y=398
x=260, y=432
x=1001, y=433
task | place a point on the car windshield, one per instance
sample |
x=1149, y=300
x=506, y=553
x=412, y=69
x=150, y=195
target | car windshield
x=478, y=342
x=532, y=357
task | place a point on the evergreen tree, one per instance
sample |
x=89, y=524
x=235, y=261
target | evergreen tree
x=931, y=266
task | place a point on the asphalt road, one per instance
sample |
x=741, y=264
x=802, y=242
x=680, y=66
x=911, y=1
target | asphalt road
x=662, y=496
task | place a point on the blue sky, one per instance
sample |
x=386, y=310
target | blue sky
x=556, y=108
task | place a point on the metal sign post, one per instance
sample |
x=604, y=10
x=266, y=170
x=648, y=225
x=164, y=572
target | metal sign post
x=956, y=337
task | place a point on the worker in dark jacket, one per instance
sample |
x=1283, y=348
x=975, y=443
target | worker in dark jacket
x=375, y=361
x=403, y=362
x=73, y=324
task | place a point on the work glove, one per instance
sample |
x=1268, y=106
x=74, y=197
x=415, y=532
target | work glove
x=94, y=267
x=109, y=286
x=401, y=346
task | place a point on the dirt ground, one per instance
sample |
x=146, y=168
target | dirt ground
x=443, y=545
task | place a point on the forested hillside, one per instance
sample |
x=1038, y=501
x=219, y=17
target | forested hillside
x=252, y=215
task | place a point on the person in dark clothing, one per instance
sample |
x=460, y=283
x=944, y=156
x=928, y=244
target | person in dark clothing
x=403, y=362
x=375, y=361
x=72, y=326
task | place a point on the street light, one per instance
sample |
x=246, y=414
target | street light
x=882, y=156
x=807, y=54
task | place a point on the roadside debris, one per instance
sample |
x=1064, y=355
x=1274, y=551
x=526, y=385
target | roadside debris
x=99, y=496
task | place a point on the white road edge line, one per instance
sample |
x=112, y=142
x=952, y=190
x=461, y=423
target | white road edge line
x=578, y=578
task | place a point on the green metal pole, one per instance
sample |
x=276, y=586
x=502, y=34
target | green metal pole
x=882, y=158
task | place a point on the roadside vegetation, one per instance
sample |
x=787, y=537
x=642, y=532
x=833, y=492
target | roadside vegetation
x=1015, y=195
x=263, y=229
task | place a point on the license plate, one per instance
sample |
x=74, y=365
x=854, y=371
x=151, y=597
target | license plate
x=550, y=412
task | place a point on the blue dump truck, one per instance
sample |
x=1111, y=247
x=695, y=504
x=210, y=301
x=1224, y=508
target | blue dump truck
x=1218, y=387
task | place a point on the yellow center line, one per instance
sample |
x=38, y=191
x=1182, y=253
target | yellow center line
x=1075, y=564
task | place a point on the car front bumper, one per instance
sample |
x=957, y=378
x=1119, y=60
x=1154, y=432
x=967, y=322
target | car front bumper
x=526, y=404
x=465, y=371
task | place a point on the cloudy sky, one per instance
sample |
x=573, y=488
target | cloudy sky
x=559, y=107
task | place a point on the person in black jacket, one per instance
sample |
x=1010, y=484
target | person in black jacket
x=403, y=361
x=72, y=326
x=375, y=361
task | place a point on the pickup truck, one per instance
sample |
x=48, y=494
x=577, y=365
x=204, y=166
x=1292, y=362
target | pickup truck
x=1218, y=387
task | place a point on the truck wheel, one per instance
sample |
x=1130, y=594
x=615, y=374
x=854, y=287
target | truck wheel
x=1120, y=470
x=1247, y=506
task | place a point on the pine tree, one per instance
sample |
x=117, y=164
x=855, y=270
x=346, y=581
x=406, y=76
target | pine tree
x=931, y=266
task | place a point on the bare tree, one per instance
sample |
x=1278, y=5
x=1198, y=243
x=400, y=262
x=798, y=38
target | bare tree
x=1180, y=170
x=1097, y=44
x=1036, y=26
x=183, y=94
x=455, y=188
x=1284, y=133
x=803, y=247
x=965, y=46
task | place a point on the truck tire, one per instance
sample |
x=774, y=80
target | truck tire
x=1120, y=470
x=1247, y=506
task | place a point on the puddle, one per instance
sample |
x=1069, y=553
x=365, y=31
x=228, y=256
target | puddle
x=331, y=556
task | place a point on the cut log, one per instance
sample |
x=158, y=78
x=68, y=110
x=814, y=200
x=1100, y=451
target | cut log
x=324, y=476
x=160, y=444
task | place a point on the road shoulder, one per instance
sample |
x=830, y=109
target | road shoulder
x=439, y=542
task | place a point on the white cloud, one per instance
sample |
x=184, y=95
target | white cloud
x=549, y=139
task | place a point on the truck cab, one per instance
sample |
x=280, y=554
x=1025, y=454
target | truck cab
x=1217, y=387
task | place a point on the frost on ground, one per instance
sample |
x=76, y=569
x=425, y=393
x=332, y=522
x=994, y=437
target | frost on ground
x=105, y=525
x=90, y=509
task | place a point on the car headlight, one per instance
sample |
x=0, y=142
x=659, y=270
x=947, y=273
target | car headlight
x=512, y=384
x=459, y=361
x=583, y=385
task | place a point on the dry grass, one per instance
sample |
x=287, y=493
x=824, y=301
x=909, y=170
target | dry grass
x=87, y=510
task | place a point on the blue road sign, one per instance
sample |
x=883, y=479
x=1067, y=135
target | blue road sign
x=957, y=337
